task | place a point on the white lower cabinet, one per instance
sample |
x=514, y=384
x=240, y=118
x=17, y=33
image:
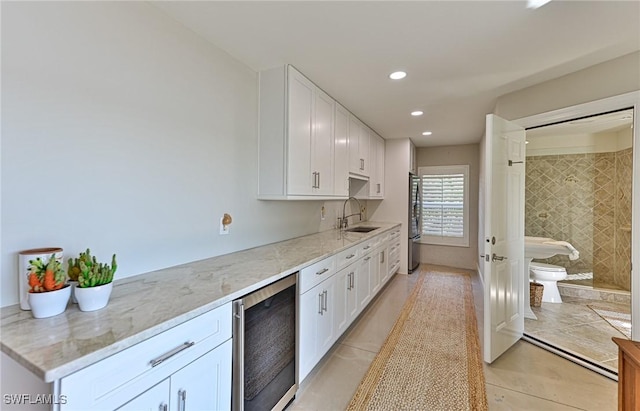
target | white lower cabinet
x=363, y=282
x=155, y=398
x=346, y=306
x=315, y=325
x=187, y=367
x=204, y=384
x=383, y=264
x=200, y=385
x=394, y=252
x=334, y=291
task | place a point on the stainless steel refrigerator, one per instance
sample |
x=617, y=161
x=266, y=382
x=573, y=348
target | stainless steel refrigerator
x=415, y=215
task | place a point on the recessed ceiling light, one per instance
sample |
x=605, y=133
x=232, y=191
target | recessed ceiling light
x=426, y=133
x=397, y=75
x=417, y=113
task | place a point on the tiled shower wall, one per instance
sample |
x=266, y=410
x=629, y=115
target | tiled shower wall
x=584, y=199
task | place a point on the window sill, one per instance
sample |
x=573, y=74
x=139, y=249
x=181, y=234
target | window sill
x=445, y=243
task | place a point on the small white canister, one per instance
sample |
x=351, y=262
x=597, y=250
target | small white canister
x=24, y=269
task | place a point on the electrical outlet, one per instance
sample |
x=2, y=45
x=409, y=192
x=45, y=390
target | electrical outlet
x=322, y=213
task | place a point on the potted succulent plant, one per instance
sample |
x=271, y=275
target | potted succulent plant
x=95, y=280
x=48, y=289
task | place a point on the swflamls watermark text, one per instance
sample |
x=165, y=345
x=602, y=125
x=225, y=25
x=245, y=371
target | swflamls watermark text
x=23, y=399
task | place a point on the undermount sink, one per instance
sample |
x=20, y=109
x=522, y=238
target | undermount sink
x=543, y=247
x=361, y=229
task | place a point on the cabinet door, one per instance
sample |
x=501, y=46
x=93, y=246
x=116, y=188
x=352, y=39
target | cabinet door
x=374, y=273
x=363, y=147
x=204, y=384
x=355, y=128
x=345, y=303
x=342, y=290
x=310, y=311
x=155, y=398
x=352, y=294
x=384, y=265
x=380, y=164
x=316, y=330
x=363, y=287
x=325, y=331
x=322, y=148
x=341, y=152
x=300, y=177
x=376, y=166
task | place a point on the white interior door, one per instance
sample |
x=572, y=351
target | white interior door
x=504, y=273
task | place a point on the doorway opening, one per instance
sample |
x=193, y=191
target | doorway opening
x=578, y=185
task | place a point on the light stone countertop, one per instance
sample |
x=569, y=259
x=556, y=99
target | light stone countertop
x=147, y=304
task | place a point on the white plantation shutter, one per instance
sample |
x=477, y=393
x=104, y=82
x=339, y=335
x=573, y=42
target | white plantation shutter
x=444, y=205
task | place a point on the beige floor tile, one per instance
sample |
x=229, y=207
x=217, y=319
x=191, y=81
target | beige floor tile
x=526, y=377
x=591, y=340
x=503, y=399
x=333, y=382
x=531, y=370
x=371, y=329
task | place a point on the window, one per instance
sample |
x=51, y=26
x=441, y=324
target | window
x=445, y=208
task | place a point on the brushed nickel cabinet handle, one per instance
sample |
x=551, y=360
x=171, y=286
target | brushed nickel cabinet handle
x=171, y=353
x=324, y=270
x=182, y=400
x=320, y=303
x=324, y=293
x=350, y=256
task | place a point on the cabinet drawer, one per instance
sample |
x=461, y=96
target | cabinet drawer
x=394, y=235
x=366, y=248
x=120, y=377
x=316, y=273
x=346, y=257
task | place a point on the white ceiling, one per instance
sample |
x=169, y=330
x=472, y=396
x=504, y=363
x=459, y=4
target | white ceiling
x=460, y=56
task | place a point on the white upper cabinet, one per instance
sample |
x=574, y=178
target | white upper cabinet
x=358, y=147
x=296, y=155
x=341, y=151
x=376, y=171
x=412, y=158
x=322, y=149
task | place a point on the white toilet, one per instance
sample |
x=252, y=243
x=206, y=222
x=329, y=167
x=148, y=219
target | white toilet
x=548, y=275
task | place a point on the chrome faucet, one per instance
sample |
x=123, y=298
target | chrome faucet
x=343, y=222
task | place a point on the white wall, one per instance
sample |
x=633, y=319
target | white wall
x=125, y=132
x=461, y=257
x=394, y=207
x=611, y=78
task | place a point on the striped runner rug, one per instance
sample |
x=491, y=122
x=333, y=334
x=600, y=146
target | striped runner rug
x=431, y=359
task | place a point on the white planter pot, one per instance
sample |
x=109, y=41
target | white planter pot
x=93, y=298
x=51, y=303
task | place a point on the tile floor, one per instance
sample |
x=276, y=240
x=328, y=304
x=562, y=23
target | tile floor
x=524, y=378
x=576, y=328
